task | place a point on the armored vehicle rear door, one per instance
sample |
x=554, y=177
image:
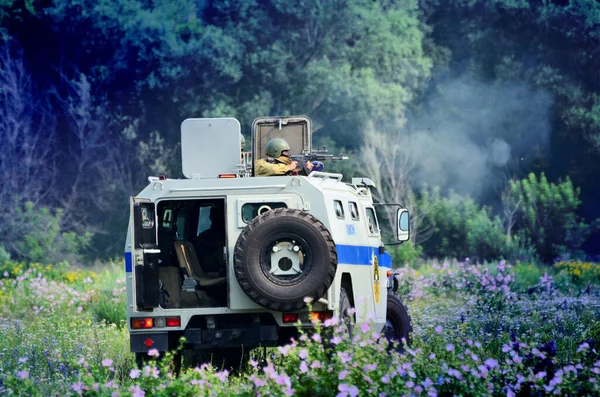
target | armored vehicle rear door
x=296, y=130
x=145, y=254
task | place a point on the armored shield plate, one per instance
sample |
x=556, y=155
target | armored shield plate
x=296, y=130
x=210, y=147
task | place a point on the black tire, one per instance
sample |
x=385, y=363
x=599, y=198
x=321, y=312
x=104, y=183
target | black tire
x=346, y=317
x=253, y=252
x=398, y=322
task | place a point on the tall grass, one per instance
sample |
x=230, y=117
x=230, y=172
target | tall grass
x=478, y=330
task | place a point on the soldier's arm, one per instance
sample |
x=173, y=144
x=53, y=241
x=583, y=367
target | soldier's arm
x=264, y=168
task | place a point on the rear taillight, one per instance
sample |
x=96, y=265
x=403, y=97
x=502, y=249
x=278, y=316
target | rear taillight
x=142, y=323
x=320, y=316
x=290, y=317
x=155, y=322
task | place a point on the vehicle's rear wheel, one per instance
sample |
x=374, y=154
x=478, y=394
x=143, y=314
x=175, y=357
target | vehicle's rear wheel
x=398, y=323
x=346, y=316
x=284, y=256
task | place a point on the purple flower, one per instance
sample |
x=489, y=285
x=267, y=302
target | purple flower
x=336, y=340
x=303, y=354
x=582, y=347
x=303, y=367
x=107, y=362
x=22, y=359
x=450, y=347
x=316, y=364
x=284, y=350
x=344, y=357
x=370, y=367
x=316, y=337
x=347, y=390
x=137, y=391
x=221, y=375
x=23, y=374
x=438, y=329
x=77, y=387
x=343, y=375
x=258, y=382
x=153, y=353
x=491, y=363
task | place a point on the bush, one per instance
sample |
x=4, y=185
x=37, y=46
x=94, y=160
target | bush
x=462, y=228
x=405, y=254
x=39, y=236
x=4, y=255
x=580, y=273
x=546, y=215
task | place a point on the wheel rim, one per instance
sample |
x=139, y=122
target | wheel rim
x=286, y=259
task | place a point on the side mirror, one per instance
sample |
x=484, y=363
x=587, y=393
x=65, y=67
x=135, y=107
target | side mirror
x=403, y=224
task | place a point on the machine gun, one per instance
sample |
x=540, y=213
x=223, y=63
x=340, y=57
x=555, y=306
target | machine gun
x=316, y=157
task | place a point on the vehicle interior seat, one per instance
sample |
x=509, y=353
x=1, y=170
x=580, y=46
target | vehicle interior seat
x=194, y=275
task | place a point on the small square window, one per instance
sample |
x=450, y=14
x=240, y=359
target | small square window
x=353, y=211
x=372, y=221
x=339, y=209
x=147, y=217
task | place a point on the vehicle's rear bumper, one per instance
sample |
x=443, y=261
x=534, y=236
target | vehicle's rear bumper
x=258, y=335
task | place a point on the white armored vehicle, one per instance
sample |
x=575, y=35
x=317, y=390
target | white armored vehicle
x=228, y=260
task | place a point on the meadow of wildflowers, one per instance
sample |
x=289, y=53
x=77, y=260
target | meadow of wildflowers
x=478, y=330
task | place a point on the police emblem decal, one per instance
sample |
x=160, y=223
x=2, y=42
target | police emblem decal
x=376, y=278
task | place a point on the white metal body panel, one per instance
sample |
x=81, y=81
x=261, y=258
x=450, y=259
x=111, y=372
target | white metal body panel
x=357, y=249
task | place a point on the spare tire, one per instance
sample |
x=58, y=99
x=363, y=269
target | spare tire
x=284, y=256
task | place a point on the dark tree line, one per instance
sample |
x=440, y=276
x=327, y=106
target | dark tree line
x=92, y=94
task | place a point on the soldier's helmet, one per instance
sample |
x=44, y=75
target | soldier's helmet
x=275, y=147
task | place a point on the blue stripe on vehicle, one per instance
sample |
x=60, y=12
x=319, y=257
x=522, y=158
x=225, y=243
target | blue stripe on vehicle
x=361, y=255
x=128, y=262
x=385, y=260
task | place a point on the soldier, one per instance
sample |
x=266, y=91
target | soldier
x=278, y=161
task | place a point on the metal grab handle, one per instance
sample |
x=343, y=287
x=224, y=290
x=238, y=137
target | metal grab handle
x=151, y=251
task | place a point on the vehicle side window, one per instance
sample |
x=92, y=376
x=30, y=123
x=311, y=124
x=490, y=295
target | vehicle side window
x=204, y=221
x=252, y=210
x=339, y=209
x=372, y=221
x=180, y=227
x=353, y=210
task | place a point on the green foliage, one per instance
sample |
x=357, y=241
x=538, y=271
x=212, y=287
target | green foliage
x=44, y=240
x=405, y=254
x=4, y=255
x=547, y=216
x=526, y=275
x=462, y=228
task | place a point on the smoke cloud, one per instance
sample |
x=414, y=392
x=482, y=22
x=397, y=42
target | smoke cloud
x=470, y=135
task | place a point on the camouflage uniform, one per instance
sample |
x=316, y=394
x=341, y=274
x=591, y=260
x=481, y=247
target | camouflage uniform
x=273, y=166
